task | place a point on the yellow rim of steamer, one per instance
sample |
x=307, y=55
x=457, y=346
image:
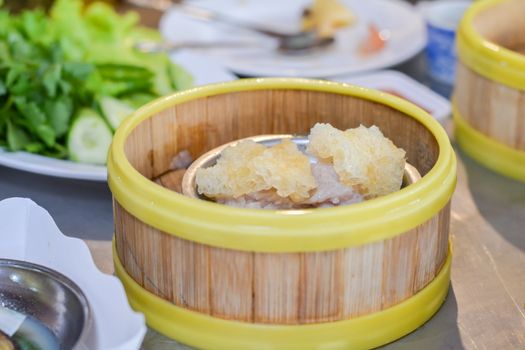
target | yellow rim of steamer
x=365, y=332
x=492, y=154
x=272, y=230
x=485, y=57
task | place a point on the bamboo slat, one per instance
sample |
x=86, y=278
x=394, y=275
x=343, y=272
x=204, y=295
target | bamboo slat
x=320, y=287
x=276, y=288
x=362, y=294
x=231, y=284
x=190, y=273
x=140, y=145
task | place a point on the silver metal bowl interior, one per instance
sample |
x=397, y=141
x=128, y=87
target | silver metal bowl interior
x=208, y=159
x=47, y=296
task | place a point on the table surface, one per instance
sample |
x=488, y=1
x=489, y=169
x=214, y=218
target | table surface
x=485, y=307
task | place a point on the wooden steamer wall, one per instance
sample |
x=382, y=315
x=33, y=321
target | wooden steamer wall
x=276, y=288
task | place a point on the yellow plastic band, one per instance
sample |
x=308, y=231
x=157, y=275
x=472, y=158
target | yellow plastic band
x=365, y=332
x=492, y=154
x=281, y=231
x=485, y=57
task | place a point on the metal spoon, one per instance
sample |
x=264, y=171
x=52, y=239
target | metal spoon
x=166, y=47
x=301, y=41
x=294, y=45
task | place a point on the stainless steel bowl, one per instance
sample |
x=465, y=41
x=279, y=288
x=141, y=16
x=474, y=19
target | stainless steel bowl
x=47, y=296
x=208, y=159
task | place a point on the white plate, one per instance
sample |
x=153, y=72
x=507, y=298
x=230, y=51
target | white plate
x=403, y=86
x=28, y=233
x=204, y=71
x=404, y=23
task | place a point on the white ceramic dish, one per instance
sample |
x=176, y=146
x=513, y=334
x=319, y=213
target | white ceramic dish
x=403, y=86
x=398, y=19
x=204, y=71
x=29, y=233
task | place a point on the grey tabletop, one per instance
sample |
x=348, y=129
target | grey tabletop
x=485, y=307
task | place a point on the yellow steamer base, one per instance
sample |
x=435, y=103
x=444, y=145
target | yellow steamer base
x=492, y=154
x=217, y=277
x=489, y=95
x=367, y=332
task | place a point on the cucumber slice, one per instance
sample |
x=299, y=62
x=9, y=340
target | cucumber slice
x=89, y=138
x=114, y=110
x=138, y=100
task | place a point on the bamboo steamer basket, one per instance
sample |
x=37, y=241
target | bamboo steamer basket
x=489, y=96
x=218, y=277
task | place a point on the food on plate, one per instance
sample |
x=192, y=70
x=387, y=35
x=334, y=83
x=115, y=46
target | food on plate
x=326, y=17
x=89, y=138
x=114, y=110
x=374, y=42
x=338, y=167
x=77, y=60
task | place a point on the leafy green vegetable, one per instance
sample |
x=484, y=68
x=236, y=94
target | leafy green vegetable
x=34, y=147
x=17, y=138
x=54, y=65
x=3, y=88
x=51, y=78
x=58, y=112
